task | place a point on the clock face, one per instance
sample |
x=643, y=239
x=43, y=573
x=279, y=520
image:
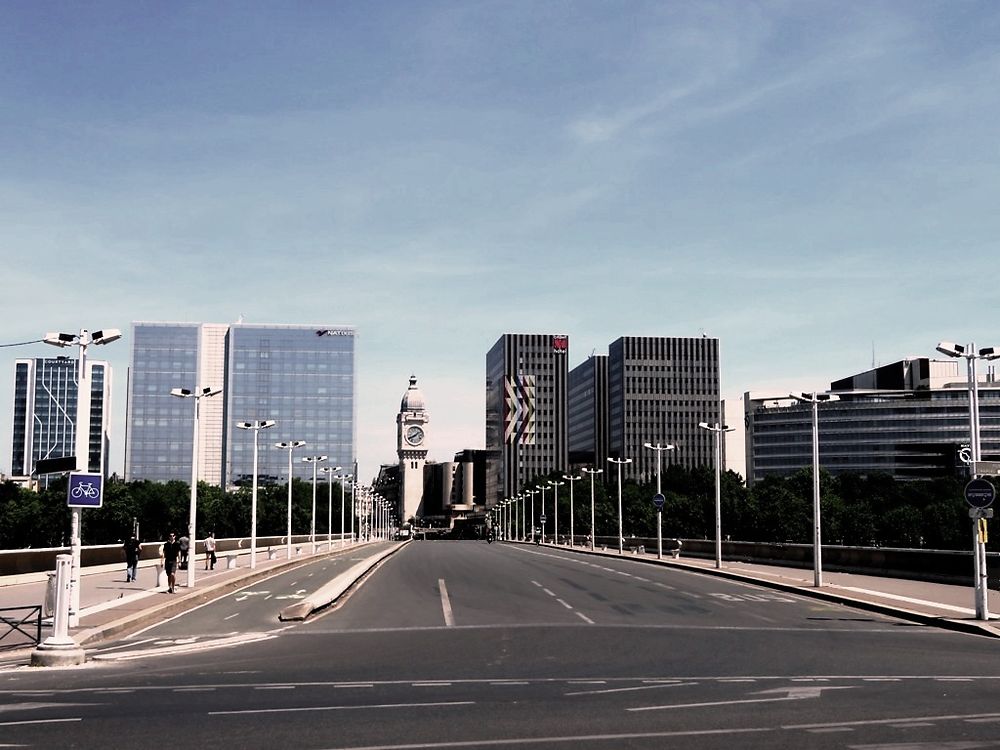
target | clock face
x=414, y=435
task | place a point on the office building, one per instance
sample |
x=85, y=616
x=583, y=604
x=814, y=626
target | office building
x=526, y=415
x=300, y=376
x=908, y=419
x=45, y=399
x=659, y=389
x=587, y=405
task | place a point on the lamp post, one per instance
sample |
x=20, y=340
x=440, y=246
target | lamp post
x=814, y=400
x=572, y=480
x=354, y=507
x=555, y=510
x=659, y=511
x=257, y=425
x=543, y=518
x=718, y=430
x=971, y=354
x=329, y=471
x=289, y=445
x=531, y=494
x=593, y=531
x=198, y=394
x=314, y=460
x=81, y=440
x=619, y=463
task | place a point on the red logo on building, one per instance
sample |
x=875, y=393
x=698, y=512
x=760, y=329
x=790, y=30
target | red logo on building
x=560, y=344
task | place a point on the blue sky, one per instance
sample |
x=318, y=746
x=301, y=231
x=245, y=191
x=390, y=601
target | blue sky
x=815, y=183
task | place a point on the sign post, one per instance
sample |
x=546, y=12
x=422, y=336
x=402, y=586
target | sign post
x=980, y=494
x=658, y=500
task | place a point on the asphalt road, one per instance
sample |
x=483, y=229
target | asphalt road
x=464, y=644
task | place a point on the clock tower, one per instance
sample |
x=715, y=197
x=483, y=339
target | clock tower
x=411, y=447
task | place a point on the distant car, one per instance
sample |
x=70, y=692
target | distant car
x=403, y=533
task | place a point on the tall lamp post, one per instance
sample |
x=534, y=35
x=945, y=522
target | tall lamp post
x=619, y=463
x=257, y=425
x=660, y=449
x=814, y=399
x=593, y=532
x=197, y=394
x=572, y=480
x=971, y=354
x=555, y=510
x=543, y=517
x=718, y=430
x=531, y=494
x=329, y=471
x=81, y=441
x=289, y=445
x=314, y=460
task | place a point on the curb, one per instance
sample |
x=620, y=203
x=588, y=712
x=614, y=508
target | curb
x=330, y=592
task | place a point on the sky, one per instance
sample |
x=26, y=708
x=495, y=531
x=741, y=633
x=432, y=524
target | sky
x=814, y=183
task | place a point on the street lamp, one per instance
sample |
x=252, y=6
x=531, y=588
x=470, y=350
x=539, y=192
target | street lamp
x=81, y=440
x=555, y=510
x=619, y=462
x=257, y=425
x=314, y=460
x=593, y=473
x=197, y=394
x=718, y=430
x=531, y=494
x=659, y=510
x=543, y=518
x=572, y=480
x=329, y=471
x=289, y=445
x=815, y=399
x=971, y=354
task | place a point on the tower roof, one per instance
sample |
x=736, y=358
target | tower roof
x=413, y=399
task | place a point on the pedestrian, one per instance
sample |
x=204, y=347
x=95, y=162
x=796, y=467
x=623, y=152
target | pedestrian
x=210, y=551
x=185, y=543
x=171, y=551
x=132, y=549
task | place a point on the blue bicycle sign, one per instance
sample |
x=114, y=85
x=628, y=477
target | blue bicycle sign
x=85, y=490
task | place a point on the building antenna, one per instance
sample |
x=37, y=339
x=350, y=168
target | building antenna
x=873, y=354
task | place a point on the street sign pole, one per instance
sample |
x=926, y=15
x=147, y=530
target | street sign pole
x=979, y=494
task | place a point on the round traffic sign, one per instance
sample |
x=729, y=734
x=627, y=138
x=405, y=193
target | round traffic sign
x=658, y=500
x=979, y=493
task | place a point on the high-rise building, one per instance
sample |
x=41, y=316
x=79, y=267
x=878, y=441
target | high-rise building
x=300, y=376
x=659, y=389
x=45, y=399
x=908, y=419
x=526, y=416
x=588, y=412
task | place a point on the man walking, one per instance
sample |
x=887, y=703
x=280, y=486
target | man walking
x=171, y=551
x=210, y=550
x=132, y=550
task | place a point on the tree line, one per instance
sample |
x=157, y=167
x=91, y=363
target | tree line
x=856, y=510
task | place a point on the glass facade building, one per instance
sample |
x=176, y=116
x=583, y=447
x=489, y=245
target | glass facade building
x=302, y=377
x=909, y=419
x=44, y=424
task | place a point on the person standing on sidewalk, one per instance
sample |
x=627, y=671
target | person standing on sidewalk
x=185, y=543
x=171, y=551
x=132, y=549
x=210, y=551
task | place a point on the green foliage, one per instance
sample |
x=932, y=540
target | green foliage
x=856, y=510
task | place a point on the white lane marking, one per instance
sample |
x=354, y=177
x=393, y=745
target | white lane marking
x=340, y=708
x=430, y=684
x=878, y=722
x=583, y=617
x=36, y=721
x=509, y=682
x=449, y=618
x=537, y=584
x=633, y=689
x=547, y=591
x=195, y=690
x=231, y=616
x=567, y=606
x=355, y=685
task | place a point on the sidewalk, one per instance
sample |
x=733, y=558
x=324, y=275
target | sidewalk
x=109, y=605
x=938, y=604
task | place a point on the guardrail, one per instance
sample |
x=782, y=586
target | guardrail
x=13, y=625
x=936, y=566
x=19, y=561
